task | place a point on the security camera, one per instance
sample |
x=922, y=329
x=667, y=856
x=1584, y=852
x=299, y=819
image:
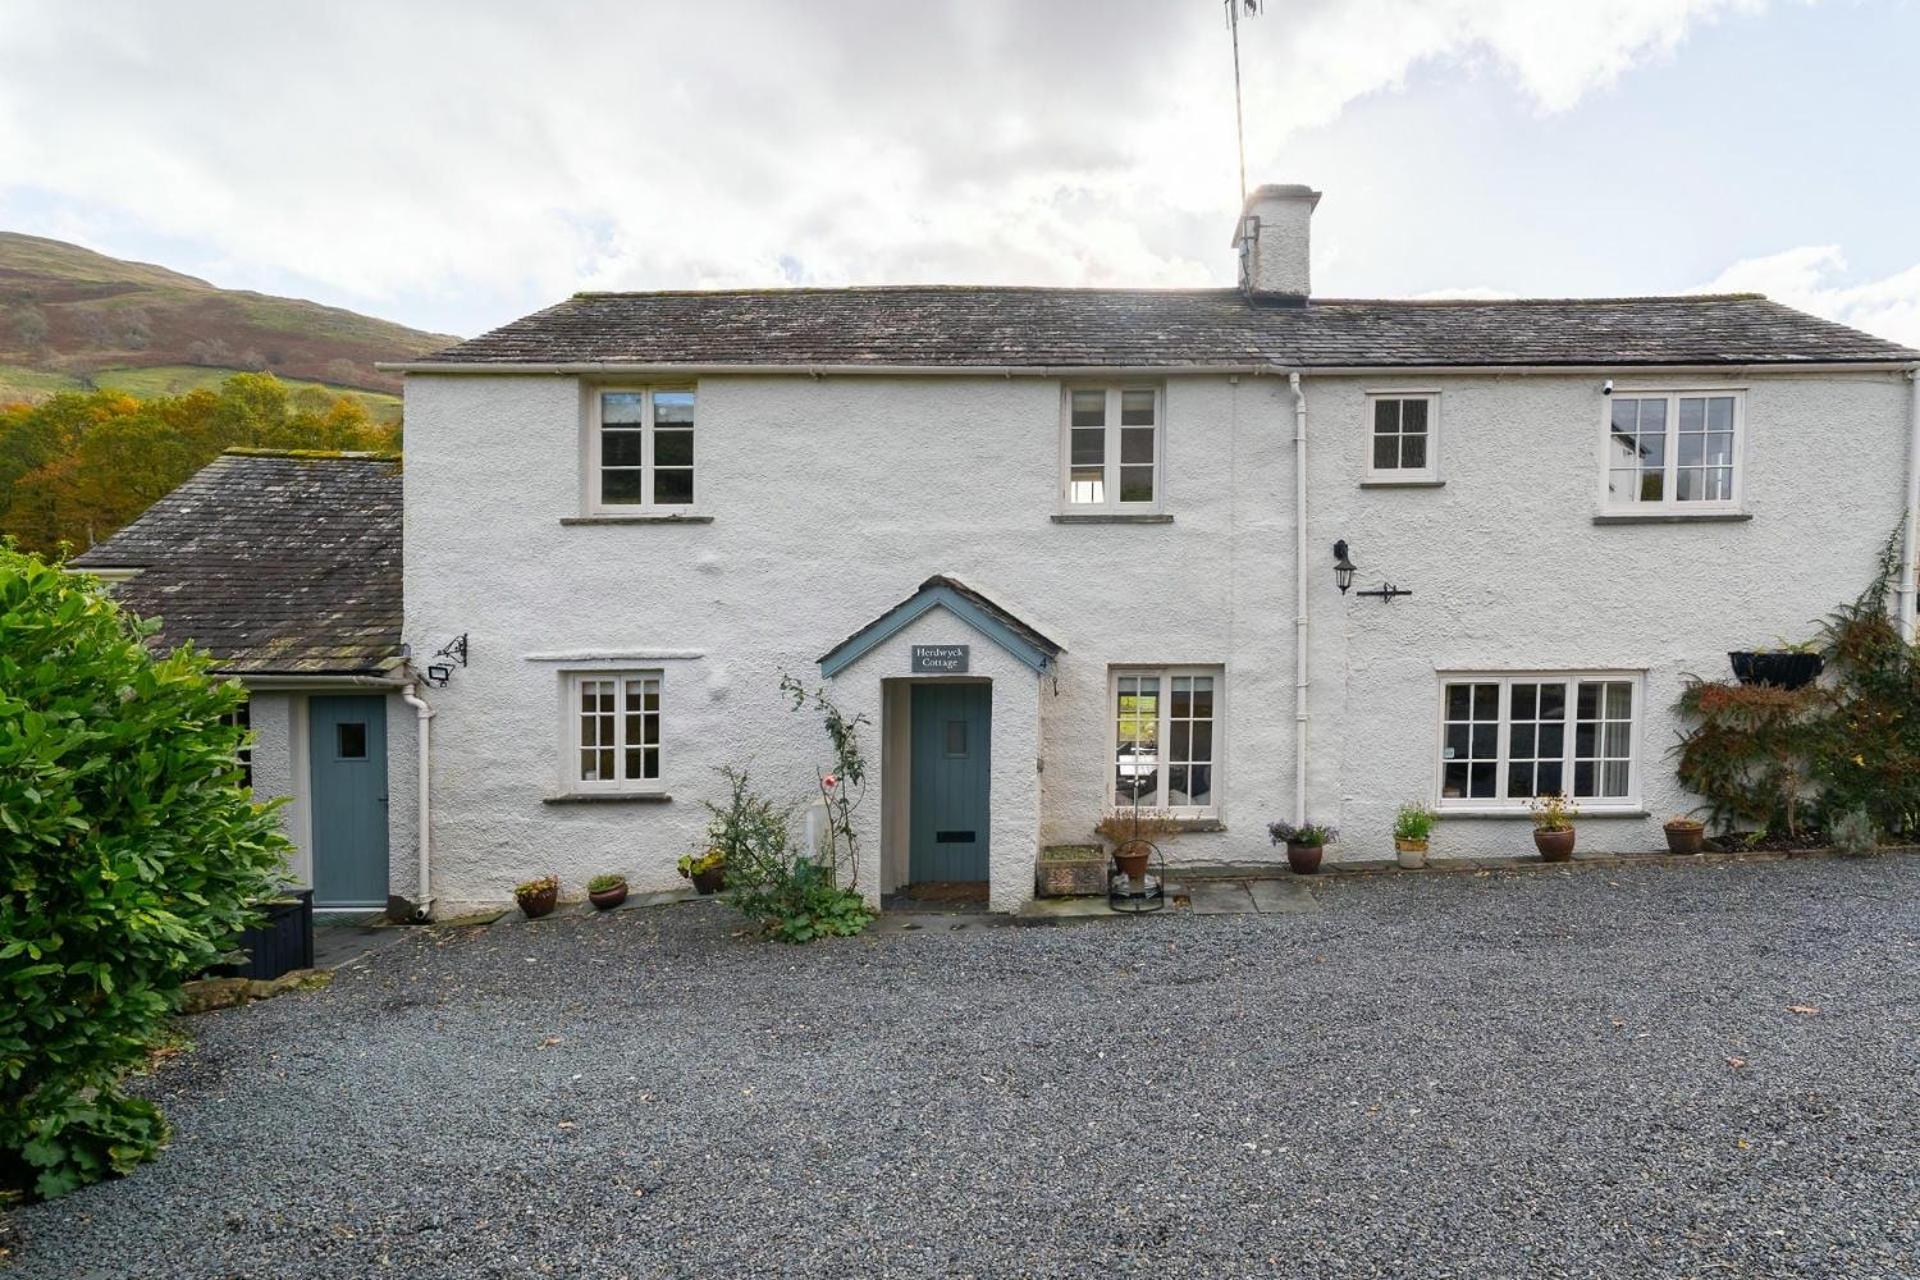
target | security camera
x=1607, y=390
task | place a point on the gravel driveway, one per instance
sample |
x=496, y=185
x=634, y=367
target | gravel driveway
x=1698, y=1071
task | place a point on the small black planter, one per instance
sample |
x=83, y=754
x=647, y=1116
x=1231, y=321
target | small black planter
x=282, y=943
x=1782, y=670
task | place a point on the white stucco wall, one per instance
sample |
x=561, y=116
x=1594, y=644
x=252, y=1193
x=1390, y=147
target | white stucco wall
x=833, y=498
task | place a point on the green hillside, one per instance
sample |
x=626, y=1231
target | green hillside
x=73, y=319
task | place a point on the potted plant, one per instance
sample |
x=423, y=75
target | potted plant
x=1412, y=827
x=538, y=897
x=1785, y=666
x=1553, y=816
x=1305, y=843
x=708, y=871
x=1685, y=834
x=607, y=892
x=1132, y=833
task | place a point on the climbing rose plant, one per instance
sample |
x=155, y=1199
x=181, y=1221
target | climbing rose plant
x=129, y=856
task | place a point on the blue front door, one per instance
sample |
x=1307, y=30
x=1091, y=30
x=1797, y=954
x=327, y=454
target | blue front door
x=347, y=751
x=952, y=737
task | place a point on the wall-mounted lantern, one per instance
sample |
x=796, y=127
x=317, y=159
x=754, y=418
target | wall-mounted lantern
x=1343, y=570
x=1342, y=567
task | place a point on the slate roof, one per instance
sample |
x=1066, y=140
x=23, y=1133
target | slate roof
x=276, y=562
x=855, y=646
x=965, y=326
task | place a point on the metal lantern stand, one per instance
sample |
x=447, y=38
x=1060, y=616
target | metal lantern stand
x=1149, y=893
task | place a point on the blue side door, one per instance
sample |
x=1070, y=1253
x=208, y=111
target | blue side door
x=952, y=758
x=347, y=759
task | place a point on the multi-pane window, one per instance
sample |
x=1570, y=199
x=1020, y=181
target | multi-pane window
x=1113, y=447
x=1507, y=739
x=1166, y=744
x=1402, y=443
x=642, y=449
x=614, y=730
x=1673, y=449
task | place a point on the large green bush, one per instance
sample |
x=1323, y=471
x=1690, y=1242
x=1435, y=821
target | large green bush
x=129, y=855
x=1780, y=761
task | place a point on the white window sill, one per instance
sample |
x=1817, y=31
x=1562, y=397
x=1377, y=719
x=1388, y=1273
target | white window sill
x=1668, y=516
x=1518, y=815
x=639, y=517
x=608, y=797
x=1112, y=517
x=1410, y=482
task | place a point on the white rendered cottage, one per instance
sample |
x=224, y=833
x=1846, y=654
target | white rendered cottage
x=1070, y=547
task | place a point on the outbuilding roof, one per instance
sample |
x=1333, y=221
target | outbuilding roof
x=960, y=327
x=277, y=562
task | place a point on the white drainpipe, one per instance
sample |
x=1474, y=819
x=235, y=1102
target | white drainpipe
x=1908, y=567
x=423, y=724
x=1300, y=600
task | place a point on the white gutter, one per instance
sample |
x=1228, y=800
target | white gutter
x=423, y=898
x=1908, y=568
x=627, y=368
x=1300, y=679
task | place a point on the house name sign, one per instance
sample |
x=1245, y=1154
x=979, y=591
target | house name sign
x=941, y=659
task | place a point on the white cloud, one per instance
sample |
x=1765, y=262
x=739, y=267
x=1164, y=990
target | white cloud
x=1812, y=278
x=500, y=152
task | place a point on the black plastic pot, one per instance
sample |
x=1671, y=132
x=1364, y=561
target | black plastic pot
x=1782, y=670
x=281, y=944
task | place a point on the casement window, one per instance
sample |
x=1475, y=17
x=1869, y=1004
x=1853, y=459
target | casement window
x=1505, y=739
x=640, y=450
x=1673, y=452
x=1111, y=447
x=613, y=731
x=1166, y=739
x=1403, y=437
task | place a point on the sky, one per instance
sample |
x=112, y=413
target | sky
x=453, y=165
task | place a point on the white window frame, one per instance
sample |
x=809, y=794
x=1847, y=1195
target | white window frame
x=1405, y=475
x=646, y=506
x=1670, y=504
x=1631, y=803
x=1110, y=483
x=572, y=783
x=1217, y=763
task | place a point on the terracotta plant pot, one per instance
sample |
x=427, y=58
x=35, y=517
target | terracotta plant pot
x=710, y=882
x=1554, y=846
x=539, y=903
x=1685, y=837
x=607, y=899
x=1412, y=853
x=1132, y=860
x=1305, y=858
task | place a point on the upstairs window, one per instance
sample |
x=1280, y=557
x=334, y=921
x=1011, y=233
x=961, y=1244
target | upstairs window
x=1675, y=452
x=613, y=731
x=1403, y=439
x=1112, y=448
x=641, y=450
x=1505, y=739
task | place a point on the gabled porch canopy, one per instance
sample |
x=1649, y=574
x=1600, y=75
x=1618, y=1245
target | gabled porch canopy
x=941, y=592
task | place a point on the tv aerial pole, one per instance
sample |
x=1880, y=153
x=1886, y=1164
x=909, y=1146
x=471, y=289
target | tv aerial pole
x=1252, y=8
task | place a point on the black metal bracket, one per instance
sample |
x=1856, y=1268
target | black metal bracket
x=1385, y=592
x=438, y=673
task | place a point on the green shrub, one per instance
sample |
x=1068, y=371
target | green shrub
x=129, y=856
x=1783, y=760
x=789, y=895
x=1414, y=821
x=1853, y=833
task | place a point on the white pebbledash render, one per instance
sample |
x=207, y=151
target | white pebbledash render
x=645, y=508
